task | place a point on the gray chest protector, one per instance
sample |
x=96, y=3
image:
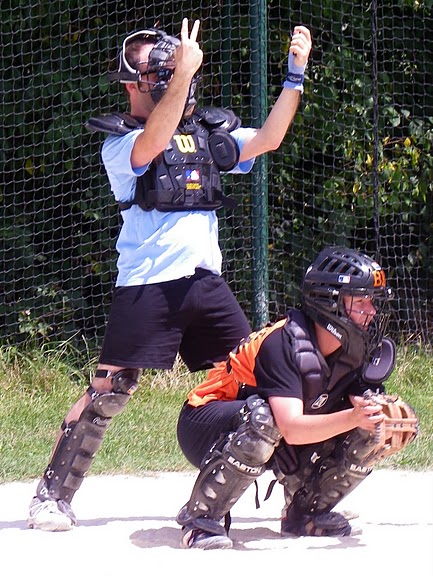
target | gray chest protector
x=186, y=175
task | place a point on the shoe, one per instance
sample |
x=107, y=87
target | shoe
x=329, y=524
x=196, y=538
x=50, y=515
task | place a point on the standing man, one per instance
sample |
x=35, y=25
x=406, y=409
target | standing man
x=163, y=161
x=294, y=397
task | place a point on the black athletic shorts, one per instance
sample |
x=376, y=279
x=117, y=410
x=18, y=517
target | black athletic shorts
x=197, y=317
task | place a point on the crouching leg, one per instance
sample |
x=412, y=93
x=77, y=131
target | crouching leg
x=230, y=468
x=325, y=475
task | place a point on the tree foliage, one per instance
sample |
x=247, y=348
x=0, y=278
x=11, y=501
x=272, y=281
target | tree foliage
x=357, y=167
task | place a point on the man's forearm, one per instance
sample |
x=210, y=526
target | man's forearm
x=161, y=123
x=273, y=131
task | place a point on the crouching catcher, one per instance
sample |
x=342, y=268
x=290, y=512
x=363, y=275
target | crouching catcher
x=304, y=398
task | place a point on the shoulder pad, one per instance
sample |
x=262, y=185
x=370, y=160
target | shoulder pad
x=218, y=118
x=114, y=123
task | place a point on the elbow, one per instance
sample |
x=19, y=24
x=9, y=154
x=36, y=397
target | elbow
x=274, y=145
x=292, y=437
x=260, y=145
x=157, y=148
x=146, y=148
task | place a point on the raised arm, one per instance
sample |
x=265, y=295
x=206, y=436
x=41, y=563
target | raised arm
x=271, y=134
x=165, y=117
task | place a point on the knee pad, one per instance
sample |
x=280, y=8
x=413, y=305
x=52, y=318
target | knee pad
x=81, y=440
x=256, y=438
x=232, y=466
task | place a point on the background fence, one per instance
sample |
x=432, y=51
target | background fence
x=355, y=169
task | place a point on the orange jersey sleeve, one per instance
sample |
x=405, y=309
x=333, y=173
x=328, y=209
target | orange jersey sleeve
x=223, y=381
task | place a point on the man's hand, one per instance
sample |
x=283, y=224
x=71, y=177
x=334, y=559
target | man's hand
x=300, y=45
x=189, y=55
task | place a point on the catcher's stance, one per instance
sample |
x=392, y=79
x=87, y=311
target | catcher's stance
x=304, y=398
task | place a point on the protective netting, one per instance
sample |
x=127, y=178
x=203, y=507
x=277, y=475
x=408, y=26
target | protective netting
x=355, y=169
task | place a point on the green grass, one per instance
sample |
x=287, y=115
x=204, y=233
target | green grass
x=412, y=379
x=39, y=387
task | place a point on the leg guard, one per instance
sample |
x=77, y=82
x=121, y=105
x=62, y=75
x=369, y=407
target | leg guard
x=81, y=440
x=322, y=482
x=231, y=467
x=334, y=476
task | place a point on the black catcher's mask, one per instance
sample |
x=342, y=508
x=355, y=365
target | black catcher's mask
x=161, y=62
x=337, y=273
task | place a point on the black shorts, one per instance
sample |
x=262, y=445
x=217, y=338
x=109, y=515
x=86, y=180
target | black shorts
x=199, y=428
x=197, y=317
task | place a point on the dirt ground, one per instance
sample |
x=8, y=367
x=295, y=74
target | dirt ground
x=127, y=525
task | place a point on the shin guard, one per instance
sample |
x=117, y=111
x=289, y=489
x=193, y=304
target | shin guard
x=231, y=468
x=81, y=440
x=329, y=477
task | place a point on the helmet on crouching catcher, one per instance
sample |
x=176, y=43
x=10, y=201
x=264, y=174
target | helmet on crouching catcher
x=339, y=272
x=161, y=62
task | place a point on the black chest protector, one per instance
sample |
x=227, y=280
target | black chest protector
x=186, y=175
x=323, y=386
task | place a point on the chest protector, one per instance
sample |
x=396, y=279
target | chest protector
x=186, y=175
x=323, y=386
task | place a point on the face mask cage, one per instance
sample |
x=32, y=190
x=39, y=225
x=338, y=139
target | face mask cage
x=366, y=311
x=154, y=75
x=162, y=64
x=158, y=87
x=125, y=72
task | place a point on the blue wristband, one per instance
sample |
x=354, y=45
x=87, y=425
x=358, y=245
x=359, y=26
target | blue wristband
x=295, y=76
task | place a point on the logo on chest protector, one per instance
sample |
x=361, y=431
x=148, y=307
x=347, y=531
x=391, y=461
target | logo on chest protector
x=192, y=180
x=320, y=401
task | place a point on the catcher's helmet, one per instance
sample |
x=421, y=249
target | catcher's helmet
x=161, y=62
x=338, y=272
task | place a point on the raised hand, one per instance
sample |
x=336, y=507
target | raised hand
x=300, y=45
x=189, y=55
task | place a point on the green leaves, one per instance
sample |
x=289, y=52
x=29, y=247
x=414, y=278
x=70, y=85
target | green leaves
x=356, y=166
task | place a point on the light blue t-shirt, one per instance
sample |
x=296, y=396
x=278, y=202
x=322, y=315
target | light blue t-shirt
x=159, y=246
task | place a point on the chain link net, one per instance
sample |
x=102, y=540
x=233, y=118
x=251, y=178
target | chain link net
x=356, y=167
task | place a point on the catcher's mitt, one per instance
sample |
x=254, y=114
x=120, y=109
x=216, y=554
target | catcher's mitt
x=398, y=429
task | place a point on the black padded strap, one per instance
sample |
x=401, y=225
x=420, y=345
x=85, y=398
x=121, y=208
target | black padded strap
x=119, y=123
